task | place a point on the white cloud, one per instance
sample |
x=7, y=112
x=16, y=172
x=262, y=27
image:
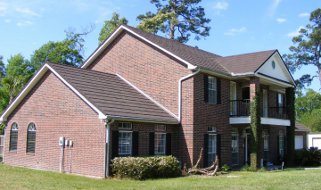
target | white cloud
x=234, y=31
x=280, y=20
x=304, y=15
x=275, y=4
x=27, y=11
x=221, y=5
x=3, y=8
x=295, y=33
x=24, y=23
x=7, y=20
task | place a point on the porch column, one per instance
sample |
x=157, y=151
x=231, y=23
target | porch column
x=256, y=131
x=290, y=109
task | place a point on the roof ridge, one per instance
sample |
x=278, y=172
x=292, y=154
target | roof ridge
x=249, y=53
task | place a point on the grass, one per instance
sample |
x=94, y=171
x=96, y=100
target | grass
x=25, y=179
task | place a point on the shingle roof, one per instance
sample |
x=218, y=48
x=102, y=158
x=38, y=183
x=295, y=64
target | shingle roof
x=244, y=63
x=111, y=95
x=301, y=127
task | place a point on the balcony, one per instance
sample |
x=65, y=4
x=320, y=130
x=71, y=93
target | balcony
x=240, y=114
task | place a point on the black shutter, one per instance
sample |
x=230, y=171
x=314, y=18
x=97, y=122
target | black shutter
x=135, y=143
x=205, y=153
x=168, y=144
x=151, y=144
x=114, y=144
x=218, y=147
x=205, y=88
x=218, y=88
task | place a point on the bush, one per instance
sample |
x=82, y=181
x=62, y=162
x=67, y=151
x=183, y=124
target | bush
x=309, y=157
x=146, y=167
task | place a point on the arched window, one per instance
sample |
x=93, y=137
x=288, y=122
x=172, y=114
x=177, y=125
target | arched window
x=31, y=138
x=13, y=137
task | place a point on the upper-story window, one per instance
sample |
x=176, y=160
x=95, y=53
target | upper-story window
x=212, y=90
x=31, y=138
x=280, y=103
x=13, y=137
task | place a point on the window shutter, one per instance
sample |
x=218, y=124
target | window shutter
x=151, y=144
x=114, y=144
x=218, y=88
x=168, y=144
x=278, y=148
x=205, y=153
x=135, y=144
x=218, y=147
x=205, y=88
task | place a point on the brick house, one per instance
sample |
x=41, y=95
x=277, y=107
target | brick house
x=140, y=94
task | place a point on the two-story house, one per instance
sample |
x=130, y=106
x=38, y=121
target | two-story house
x=140, y=94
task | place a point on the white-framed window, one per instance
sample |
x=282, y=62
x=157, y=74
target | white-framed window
x=31, y=138
x=125, y=140
x=160, y=144
x=125, y=126
x=235, y=146
x=13, y=137
x=280, y=105
x=281, y=144
x=212, y=90
x=212, y=149
x=265, y=135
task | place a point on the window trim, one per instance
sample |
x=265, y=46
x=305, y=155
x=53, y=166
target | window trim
x=211, y=80
x=130, y=143
x=156, y=144
x=17, y=131
x=122, y=127
x=34, y=130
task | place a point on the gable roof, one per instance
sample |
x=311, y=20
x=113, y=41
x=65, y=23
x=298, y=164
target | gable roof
x=106, y=94
x=245, y=63
x=192, y=57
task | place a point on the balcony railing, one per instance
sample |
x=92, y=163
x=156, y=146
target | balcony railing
x=241, y=108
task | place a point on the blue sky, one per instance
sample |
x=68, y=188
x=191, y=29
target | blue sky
x=238, y=26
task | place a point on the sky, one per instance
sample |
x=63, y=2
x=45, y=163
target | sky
x=237, y=26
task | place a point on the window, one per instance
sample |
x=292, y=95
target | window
x=125, y=126
x=212, y=90
x=212, y=149
x=31, y=138
x=280, y=103
x=125, y=143
x=265, y=136
x=299, y=142
x=160, y=144
x=281, y=144
x=235, y=147
x=13, y=137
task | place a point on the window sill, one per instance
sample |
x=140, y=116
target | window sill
x=30, y=153
x=13, y=151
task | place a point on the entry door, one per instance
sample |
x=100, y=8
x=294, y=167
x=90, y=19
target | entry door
x=265, y=103
x=247, y=142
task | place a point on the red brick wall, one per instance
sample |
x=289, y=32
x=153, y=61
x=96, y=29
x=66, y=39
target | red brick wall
x=147, y=68
x=57, y=111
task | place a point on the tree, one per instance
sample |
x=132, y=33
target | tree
x=110, y=26
x=182, y=16
x=68, y=52
x=18, y=72
x=312, y=120
x=2, y=68
x=307, y=103
x=307, y=49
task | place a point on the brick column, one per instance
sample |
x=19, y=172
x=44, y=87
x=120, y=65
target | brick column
x=290, y=108
x=256, y=131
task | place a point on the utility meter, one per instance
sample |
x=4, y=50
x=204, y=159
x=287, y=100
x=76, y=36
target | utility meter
x=62, y=141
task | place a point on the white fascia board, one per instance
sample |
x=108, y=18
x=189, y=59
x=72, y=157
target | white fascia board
x=276, y=82
x=148, y=97
x=240, y=120
x=117, y=32
x=23, y=93
x=274, y=121
x=33, y=82
x=100, y=114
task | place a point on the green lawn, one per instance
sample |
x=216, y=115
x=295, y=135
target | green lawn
x=13, y=178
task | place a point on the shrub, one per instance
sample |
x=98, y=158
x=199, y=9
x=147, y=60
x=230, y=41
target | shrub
x=309, y=157
x=146, y=167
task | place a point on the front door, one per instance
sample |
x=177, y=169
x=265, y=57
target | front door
x=247, y=142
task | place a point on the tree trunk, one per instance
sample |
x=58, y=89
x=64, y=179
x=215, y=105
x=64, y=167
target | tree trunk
x=171, y=31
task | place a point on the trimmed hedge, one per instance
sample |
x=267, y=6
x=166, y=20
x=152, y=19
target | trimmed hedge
x=146, y=167
x=308, y=157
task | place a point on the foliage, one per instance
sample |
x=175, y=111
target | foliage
x=306, y=49
x=110, y=26
x=255, y=131
x=68, y=51
x=146, y=167
x=178, y=19
x=308, y=157
x=2, y=126
x=18, y=72
x=307, y=103
x=2, y=68
x=312, y=120
x=226, y=168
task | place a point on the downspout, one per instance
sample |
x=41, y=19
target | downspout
x=109, y=121
x=180, y=92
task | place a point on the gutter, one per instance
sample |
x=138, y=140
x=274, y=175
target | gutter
x=180, y=92
x=109, y=121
